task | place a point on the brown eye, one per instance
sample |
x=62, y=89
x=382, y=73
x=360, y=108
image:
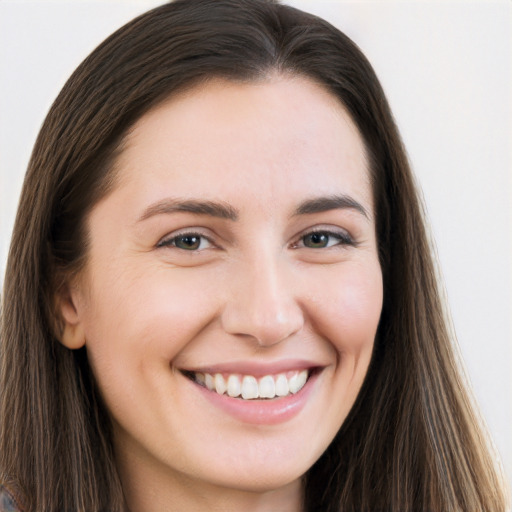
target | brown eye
x=316, y=240
x=326, y=239
x=187, y=242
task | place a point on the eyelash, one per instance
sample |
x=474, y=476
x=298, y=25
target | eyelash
x=343, y=239
x=171, y=242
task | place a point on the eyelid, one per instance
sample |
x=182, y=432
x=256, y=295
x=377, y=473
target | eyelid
x=166, y=241
x=344, y=237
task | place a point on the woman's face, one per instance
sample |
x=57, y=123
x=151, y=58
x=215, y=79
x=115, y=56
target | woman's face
x=236, y=254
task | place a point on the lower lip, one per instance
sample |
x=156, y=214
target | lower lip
x=260, y=412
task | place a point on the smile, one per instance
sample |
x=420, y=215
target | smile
x=248, y=387
x=256, y=394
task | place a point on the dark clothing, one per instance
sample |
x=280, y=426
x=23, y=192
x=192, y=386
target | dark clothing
x=8, y=502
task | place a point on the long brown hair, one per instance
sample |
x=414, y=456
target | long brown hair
x=411, y=442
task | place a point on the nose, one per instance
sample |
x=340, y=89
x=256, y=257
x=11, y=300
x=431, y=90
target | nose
x=262, y=304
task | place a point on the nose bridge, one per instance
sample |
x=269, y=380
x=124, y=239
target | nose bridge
x=263, y=303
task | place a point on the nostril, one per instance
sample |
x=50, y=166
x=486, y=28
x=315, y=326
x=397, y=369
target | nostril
x=263, y=304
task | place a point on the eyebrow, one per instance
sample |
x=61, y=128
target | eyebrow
x=211, y=208
x=324, y=204
x=225, y=211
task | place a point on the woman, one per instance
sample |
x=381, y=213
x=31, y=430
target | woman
x=227, y=300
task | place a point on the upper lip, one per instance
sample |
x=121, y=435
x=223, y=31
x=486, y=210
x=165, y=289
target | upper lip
x=256, y=368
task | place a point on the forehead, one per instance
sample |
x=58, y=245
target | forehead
x=275, y=138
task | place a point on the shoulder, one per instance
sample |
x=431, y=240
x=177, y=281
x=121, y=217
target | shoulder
x=8, y=501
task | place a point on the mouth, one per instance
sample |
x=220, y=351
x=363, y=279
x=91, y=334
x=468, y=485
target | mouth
x=256, y=394
x=248, y=387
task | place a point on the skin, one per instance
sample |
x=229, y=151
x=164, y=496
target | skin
x=253, y=290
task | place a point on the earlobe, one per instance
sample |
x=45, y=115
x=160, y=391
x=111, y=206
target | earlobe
x=70, y=332
x=73, y=336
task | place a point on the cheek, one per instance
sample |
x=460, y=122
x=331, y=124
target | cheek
x=348, y=312
x=135, y=322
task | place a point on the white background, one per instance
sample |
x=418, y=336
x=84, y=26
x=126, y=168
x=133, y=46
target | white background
x=446, y=68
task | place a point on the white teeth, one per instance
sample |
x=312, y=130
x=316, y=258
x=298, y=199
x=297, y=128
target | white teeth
x=249, y=388
x=267, y=387
x=297, y=381
x=220, y=384
x=208, y=380
x=234, y=386
x=282, y=388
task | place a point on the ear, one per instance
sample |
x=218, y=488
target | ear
x=70, y=331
